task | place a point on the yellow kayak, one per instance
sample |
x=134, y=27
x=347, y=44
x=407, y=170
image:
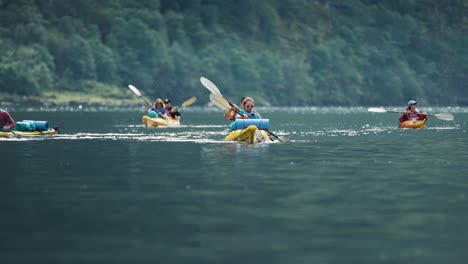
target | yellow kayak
x=160, y=122
x=413, y=124
x=49, y=132
x=251, y=135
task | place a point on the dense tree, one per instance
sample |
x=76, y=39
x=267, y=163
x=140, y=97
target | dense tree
x=288, y=52
x=25, y=69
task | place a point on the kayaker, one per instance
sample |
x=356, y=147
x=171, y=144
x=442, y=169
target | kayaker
x=173, y=113
x=247, y=112
x=231, y=112
x=158, y=108
x=412, y=113
x=6, y=121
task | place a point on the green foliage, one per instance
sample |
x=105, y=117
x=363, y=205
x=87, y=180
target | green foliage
x=289, y=52
x=25, y=69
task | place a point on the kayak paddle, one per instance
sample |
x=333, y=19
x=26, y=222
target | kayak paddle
x=187, y=102
x=11, y=131
x=214, y=90
x=442, y=116
x=137, y=92
x=210, y=85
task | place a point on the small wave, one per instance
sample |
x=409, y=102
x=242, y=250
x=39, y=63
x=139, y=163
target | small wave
x=442, y=128
x=185, y=136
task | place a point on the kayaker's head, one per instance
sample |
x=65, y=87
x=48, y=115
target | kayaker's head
x=158, y=104
x=412, y=104
x=167, y=103
x=248, y=104
x=242, y=100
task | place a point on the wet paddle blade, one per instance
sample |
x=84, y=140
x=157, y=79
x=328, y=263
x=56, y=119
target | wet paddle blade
x=189, y=101
x=445, y=116
x=210, y=85
x=134, y=90
x=137, y=92
x=219, y=101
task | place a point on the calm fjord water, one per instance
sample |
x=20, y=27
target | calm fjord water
x=349, y=188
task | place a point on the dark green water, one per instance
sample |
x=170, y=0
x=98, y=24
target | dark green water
x=349, y=188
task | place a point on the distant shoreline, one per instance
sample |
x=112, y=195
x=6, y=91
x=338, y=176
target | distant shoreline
x=70, y=100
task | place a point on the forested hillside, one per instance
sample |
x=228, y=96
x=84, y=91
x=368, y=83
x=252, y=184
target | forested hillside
x=281, y=52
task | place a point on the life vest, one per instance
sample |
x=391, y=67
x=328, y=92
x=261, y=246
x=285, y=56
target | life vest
x=251, y=115
x=159, y=112
x=411, y=115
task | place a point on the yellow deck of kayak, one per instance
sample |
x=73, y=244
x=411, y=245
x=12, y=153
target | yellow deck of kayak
x=413, y=124
x=251, y=135
x=49, y=132
x=160, y=122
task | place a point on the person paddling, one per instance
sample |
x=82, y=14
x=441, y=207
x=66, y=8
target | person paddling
x=173, y=113
x=412, y=113
x=231, y=112
x=158, y=108
x=6, y=121
x=247, y=112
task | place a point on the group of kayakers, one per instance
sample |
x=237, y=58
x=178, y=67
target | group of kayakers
x=163, y=109
x=411, y=113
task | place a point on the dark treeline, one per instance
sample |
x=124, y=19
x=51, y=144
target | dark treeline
x=282, y=52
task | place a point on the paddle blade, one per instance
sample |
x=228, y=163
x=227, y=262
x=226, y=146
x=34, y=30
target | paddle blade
x=377, y=110
x=445, y=116
x=219, y=101
x=210, y=85
x=134, y=90
x=189, y=101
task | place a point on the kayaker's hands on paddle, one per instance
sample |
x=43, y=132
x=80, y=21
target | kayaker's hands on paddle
x=174, y=111
x=231, y=113
x=236, y=110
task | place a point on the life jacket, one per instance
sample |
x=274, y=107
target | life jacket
x=160, y=112
x=410, y=115
x=251, y=115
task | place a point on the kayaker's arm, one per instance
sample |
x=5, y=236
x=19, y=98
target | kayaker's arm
x=403, y=116
x=147, y=109
x=174, y=113
x=231, y=113
x=6, y=118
